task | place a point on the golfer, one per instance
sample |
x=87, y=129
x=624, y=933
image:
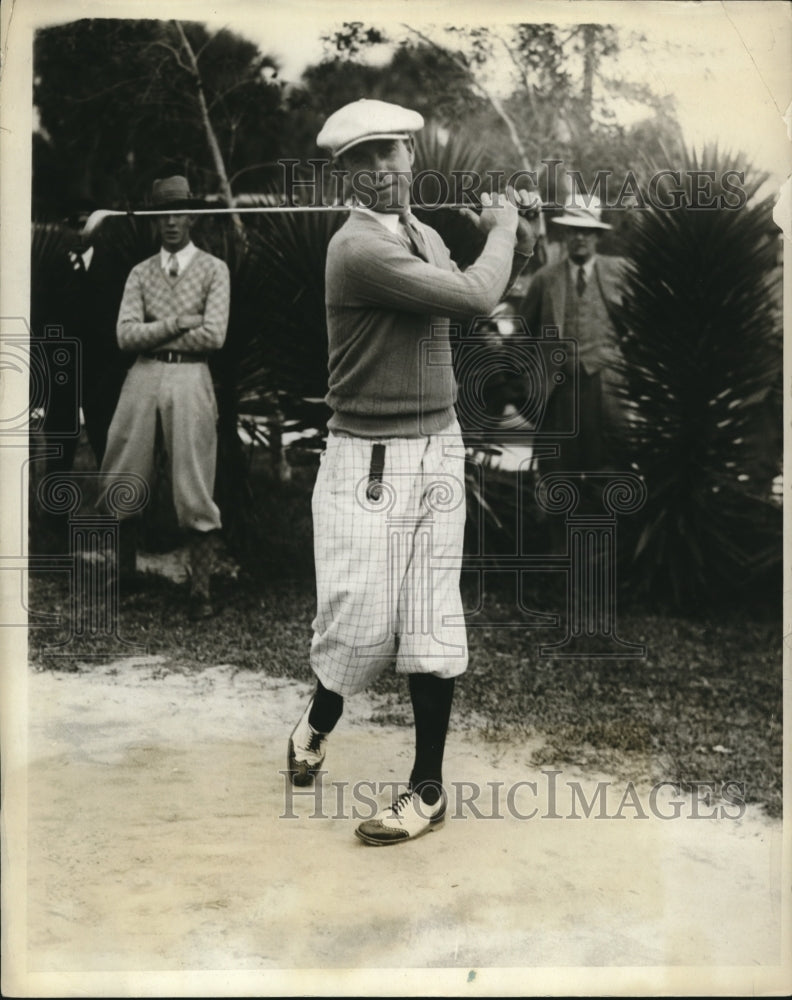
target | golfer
x=389, y=496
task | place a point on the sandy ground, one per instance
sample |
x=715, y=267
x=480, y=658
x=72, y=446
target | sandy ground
x=162, y=837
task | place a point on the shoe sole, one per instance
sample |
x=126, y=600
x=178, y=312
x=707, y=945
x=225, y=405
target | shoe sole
x=376, y=842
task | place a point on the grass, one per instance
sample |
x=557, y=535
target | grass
x=703, y=705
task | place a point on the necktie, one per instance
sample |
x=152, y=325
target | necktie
x=415, y=236
x=77, y=262
x=173, y=266
x=581, y=281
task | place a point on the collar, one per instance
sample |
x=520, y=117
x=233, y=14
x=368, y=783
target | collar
x=183, y=256
x=387, y=219
x=86, y=256
x=588, y=267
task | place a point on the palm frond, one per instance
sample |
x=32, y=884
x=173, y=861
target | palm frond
x=703, y=354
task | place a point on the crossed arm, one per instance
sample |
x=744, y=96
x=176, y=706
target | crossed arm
x=189, y=332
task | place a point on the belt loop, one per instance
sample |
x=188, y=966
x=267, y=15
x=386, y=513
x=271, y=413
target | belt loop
x=376, y=469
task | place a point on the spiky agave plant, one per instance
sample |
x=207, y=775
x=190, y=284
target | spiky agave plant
x=702, y=359
x=285, y=362
x=446, y=164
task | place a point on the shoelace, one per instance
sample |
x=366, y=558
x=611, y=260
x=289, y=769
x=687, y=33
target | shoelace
x=401, y=803
x=314, y=742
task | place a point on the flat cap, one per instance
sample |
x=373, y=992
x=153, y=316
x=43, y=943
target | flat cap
x=365, y=120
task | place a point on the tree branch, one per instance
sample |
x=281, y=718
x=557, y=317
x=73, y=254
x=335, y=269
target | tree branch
x=211, y=137
x=268, y=164
x=494, y=101
x=220, y=95
x=520, y=67
x=174, y=52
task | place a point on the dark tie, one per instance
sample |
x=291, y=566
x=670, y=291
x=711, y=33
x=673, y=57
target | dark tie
x=77, y=262
x=581, y=281
x=415, y=236
x=173, y=266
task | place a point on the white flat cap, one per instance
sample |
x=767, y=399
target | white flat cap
x=365, y=120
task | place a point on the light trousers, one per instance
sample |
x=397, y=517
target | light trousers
x=183, y=398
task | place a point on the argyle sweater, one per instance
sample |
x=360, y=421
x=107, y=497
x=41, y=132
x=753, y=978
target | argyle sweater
x=152, y=303
x=388, y=310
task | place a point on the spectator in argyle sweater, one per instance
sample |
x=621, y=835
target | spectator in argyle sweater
x=173, y=314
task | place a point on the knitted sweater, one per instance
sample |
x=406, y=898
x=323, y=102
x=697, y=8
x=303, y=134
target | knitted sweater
x=152, y=303
x=390, y=363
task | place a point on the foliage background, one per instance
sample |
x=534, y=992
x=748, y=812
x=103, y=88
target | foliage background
x=120, y=102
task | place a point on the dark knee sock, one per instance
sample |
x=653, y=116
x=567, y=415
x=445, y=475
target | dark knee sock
x=431, y=700
x=326, y=709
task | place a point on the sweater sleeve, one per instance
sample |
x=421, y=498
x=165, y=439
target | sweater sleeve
x=389, y=276
x=211, y=334
x=519, y=263
x=132, y=330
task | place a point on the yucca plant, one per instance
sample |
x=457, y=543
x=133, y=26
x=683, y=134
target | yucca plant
x=703, y=361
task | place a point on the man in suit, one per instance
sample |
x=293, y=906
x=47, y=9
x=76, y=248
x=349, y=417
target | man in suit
x=96, y=292
x=580, y=294
x=78, y=289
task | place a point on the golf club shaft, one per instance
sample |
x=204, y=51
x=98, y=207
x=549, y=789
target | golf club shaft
x=97, y=217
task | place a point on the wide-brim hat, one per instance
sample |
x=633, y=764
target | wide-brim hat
x=364, y=121
x=582, y=213
x=172, y=192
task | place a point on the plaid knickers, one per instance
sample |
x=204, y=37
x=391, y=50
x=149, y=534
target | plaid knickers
x=389, y=522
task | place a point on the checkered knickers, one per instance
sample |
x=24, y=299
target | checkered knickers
x=388, y=559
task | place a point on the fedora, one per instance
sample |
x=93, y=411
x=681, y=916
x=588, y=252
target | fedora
x=582, y=213
x=172, y=192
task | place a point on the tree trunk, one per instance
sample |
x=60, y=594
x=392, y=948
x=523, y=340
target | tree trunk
x=211, y=138
x=589, y=68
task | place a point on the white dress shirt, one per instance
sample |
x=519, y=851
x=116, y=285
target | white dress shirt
x=183, y=257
